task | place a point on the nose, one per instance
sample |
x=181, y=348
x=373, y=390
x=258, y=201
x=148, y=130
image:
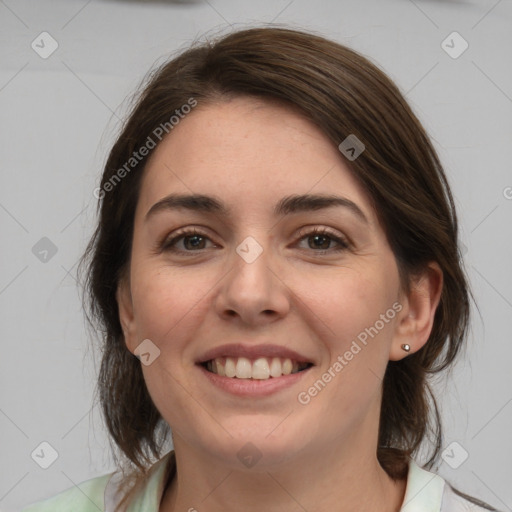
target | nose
x=253, y=291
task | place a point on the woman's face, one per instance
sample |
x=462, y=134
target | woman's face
x=257, y=283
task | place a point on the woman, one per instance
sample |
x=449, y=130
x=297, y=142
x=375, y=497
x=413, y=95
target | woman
x=276, y=272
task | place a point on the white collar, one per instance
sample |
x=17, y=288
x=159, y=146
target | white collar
x=424, y=491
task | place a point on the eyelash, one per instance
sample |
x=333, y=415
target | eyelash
x=168, y=245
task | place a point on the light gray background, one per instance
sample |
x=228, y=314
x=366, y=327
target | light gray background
x=58, y=119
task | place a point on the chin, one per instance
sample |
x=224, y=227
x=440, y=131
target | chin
x=257, y=446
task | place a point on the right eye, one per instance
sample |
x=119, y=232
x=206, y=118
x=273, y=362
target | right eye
x=193, y=241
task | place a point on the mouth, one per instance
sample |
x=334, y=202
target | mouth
x=261, y=368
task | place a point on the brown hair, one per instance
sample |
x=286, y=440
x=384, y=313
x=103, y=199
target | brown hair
x=342, y=93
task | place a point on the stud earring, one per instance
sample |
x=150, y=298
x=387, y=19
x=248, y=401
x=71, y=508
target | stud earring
x=406, y=347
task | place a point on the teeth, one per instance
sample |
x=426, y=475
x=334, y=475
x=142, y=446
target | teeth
x=261, y=369
x=243, y=368
x=276, y=367
x=287, y=367
x=220, y=369
x=229, y=368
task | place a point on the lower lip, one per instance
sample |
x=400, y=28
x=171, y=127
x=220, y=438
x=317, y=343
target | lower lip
x=253, y=387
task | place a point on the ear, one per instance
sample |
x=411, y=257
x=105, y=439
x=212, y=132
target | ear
x=125, y=307
x=415, y=320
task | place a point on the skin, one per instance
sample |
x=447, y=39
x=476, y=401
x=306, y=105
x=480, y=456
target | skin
x=319, y=456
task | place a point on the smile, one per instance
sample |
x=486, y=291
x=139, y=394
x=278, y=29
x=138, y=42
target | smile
x=262, y=368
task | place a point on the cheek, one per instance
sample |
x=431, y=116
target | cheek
x=165, y=303
x=345, y=302
x=347, y=310
x=363, y=322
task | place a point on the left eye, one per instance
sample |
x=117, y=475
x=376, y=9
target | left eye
x=321, y=238
x=195, y=241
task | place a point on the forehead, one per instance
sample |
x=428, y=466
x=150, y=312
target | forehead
x=249, y=152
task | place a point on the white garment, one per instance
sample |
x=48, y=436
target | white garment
x=428, y=492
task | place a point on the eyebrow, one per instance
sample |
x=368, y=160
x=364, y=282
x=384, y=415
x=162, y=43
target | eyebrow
x=287, y=205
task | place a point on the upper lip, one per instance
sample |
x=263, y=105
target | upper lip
x=252, y=352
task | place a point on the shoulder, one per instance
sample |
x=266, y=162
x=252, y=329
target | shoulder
x=86, y=497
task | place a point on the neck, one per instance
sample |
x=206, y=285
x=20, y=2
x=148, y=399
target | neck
x=341, y=480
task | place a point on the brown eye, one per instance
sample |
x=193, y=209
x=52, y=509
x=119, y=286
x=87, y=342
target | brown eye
x=192, y=241
x=321, y=240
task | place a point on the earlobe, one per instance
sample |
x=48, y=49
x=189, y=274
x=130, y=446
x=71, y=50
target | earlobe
x=415, y=321
x=126, y=318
